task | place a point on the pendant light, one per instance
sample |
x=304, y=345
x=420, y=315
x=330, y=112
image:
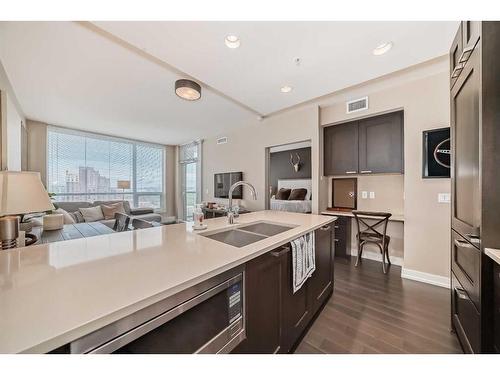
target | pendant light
x=187, y=89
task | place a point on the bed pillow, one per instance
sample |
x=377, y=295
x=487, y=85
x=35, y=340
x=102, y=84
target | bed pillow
x=109, y=210
x=283, y=194
x=92, y=214
x=298, y=194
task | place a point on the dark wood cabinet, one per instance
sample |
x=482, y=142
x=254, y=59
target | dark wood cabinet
x=475, y=181
x=341, y=149
x=320, y=284
x=381, y=144
x=296, y=309
x=372, y=145
x=466, y=205
x=263, y=286
x=275, y=316
x=342, y=237
x=496, y=307
x=465, y=317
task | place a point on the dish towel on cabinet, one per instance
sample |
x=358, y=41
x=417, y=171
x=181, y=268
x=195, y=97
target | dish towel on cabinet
x=303, y=259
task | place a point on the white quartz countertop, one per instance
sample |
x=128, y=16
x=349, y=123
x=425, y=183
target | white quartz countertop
x=52, y=294
x=493, y=254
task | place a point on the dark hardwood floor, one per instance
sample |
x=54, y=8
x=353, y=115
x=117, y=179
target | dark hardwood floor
x=370, y=312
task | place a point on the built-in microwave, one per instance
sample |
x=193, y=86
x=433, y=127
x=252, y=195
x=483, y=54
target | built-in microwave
x=206, y=318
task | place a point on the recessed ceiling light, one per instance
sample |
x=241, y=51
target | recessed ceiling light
x=232, y=41
x=187, y=89
x=382, y=48
x=286, y=89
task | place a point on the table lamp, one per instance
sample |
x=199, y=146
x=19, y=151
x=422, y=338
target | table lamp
x=123, y=184
x=20, y=193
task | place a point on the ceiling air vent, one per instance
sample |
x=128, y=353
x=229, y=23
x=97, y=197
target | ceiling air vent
x=357, y=105
x=222, y=140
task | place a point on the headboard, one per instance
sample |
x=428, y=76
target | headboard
x=305, y=183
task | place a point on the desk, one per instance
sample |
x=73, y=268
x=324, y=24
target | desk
x=71, y=232
x=350, y=214
x=344, y=235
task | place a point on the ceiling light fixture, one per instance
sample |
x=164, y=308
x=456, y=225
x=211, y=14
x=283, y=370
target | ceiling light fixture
x=187, y=89
x=232, y=41
x=286, y=89
x=382, y=48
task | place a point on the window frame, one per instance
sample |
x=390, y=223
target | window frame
x=129, y=192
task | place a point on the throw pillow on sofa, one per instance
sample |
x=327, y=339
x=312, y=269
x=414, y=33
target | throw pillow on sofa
x=109, y=210
x=92, y=214
x=68, y=219
x=77, y=217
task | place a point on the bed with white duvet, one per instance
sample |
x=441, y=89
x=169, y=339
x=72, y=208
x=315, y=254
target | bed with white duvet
x=302, y=206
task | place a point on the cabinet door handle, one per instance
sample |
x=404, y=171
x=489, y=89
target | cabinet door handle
x=461, y=294
x=336, y=239
x=283, y=251
x=462, y=243
x=456, y=71
x=465, y=54
x=336, y=226
x=350, y=172
x=326, y=228
x=366, y=171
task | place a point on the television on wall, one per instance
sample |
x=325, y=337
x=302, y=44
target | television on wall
x=223, y=182
x=436, y=153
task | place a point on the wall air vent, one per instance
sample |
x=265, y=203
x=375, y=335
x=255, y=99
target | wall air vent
x=222, y=140
x=357, y=105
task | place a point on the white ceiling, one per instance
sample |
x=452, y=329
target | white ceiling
x=65, y=73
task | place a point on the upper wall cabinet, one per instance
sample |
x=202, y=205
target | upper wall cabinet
x=381, y=144
x=367, y=146
x=341, y=149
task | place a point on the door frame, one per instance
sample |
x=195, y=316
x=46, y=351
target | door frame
x=267, y=166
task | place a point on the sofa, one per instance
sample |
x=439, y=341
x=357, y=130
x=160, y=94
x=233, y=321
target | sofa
x=147, y=214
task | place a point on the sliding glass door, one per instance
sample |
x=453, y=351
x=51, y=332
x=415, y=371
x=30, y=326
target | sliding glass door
x=190, y=172
x=189, y=191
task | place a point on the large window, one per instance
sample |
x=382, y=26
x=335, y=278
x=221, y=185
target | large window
x=87, y=167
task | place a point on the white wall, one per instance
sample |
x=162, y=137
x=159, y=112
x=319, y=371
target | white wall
x=423, y=94
x=246, y=151
x=11, y=121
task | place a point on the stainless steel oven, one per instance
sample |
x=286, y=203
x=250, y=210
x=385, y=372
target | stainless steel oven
x=206, y=318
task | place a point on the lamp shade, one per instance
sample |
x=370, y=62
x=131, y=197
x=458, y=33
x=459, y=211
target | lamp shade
x=22, y=193
x=123, y=184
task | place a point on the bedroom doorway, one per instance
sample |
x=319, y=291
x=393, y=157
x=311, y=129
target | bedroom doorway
x=288, y=167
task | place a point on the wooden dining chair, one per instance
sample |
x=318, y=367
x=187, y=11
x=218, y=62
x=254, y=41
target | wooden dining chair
x=141, y=224
x=121, y=222
x=368, y=233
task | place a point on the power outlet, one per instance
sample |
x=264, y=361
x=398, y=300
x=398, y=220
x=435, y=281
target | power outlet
x=372, y=195
x=443, y=197
x=364, y=194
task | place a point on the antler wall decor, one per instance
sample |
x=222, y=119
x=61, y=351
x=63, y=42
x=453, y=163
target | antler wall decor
x=296, y=165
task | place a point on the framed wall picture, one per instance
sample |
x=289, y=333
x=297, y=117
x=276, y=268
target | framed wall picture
x=436, y=153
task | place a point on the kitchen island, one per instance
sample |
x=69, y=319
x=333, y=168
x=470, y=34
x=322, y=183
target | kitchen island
x=53, y=294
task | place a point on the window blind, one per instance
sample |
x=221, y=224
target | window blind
x=189, y=152
x=87, y=167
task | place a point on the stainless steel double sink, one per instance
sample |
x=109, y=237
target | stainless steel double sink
x=247, y=234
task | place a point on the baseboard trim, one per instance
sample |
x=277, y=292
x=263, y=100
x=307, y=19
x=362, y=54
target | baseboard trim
x=425, y=277
x=397, y=261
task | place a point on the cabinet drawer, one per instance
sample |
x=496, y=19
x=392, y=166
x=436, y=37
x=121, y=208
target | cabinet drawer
x=466, y=264
x=466, y=319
